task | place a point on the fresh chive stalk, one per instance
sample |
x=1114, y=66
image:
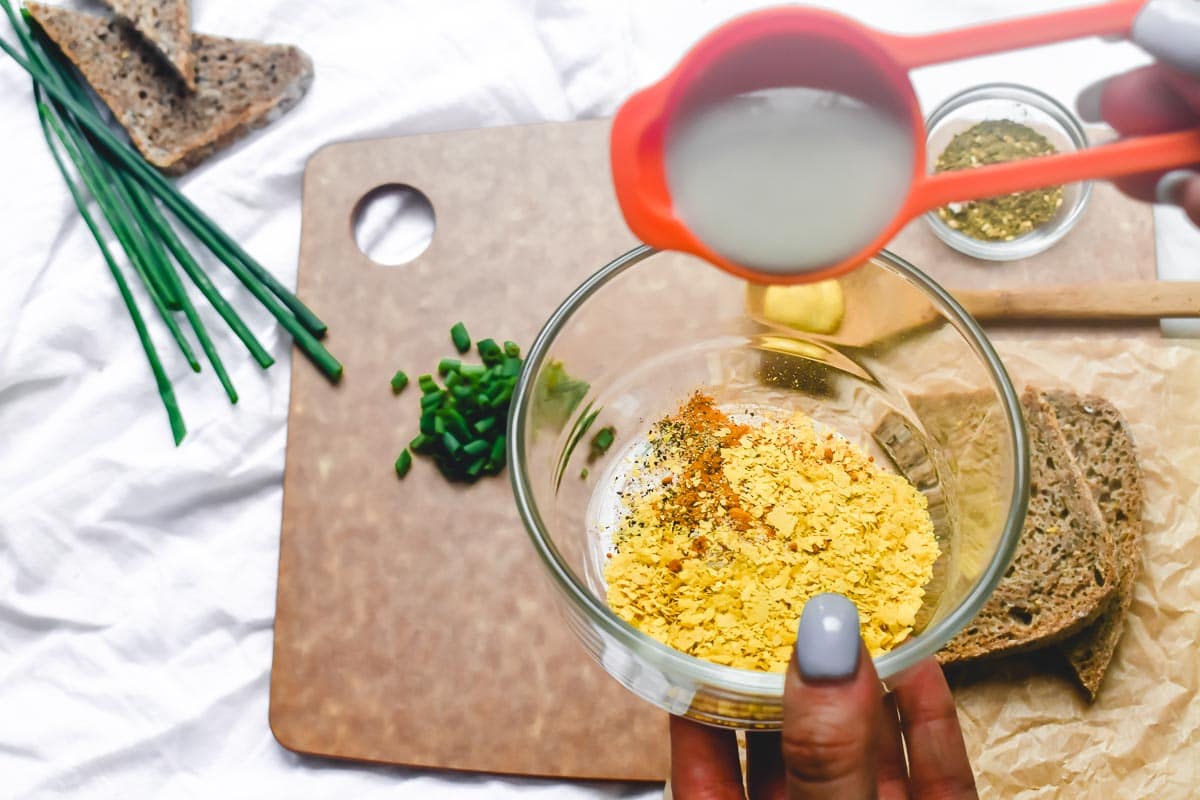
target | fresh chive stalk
x=165, y=391
x=297, y=318
x=127, y=191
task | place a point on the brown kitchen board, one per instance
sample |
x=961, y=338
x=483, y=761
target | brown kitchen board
x=413, y=625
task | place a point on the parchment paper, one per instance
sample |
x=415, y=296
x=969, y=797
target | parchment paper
x=1028, y=730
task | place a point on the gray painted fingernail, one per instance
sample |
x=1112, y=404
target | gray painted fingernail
x=1167, y=189
x=827, y=640
x=1087, y=104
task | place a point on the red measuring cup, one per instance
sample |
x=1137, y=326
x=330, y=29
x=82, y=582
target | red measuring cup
x=805, y=47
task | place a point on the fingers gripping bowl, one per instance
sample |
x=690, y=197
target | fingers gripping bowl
x=651, y=329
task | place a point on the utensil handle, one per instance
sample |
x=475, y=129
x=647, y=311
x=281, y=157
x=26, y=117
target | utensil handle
x=1126, y=157
x=1101, y=301
x=1114, y=18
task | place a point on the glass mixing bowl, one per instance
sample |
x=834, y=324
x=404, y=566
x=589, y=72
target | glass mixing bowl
x=897, y=367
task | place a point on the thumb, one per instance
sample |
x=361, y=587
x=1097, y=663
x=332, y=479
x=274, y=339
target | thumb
x=832, y=709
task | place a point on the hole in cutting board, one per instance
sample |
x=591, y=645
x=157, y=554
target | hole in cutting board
x=393, y=224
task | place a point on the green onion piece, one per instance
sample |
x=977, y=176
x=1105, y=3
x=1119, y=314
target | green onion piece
x=484, y=425
x=439, y=425
x=428, y=384
x=403, y=463
x=501, y=399
x=476, y=467
x=476, y=447
x=451, y=442
x=511, y=367
x=399, y=381
x=448, y=365
x=462, y=391
x=431, y=401
x=512, y=350
x=603, y=440
x=482, y=399
x=489, y=351
x=472, y=371
x=429, y=424
x=497, y=454
x=455, y=423
x=419, y=442
x=460, y=337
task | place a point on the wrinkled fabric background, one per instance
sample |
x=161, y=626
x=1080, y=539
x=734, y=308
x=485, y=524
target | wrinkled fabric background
x=137, y=580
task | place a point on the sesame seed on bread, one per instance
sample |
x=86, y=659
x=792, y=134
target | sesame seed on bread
x=167, y=26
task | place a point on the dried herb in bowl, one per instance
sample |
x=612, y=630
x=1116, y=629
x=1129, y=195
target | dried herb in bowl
x=1006, y=217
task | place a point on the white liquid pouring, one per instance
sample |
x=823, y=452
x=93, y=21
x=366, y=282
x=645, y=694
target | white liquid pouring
x=788, y=180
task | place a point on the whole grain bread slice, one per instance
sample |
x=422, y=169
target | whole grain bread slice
x=240, y=85
x=1065, y=568
x=167, y=26
x=1104, y=449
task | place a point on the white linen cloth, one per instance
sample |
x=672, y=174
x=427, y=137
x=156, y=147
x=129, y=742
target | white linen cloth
x=137, y=580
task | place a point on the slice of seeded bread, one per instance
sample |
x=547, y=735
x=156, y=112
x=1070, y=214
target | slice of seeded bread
x=167, y=26
x=1065, y=569
x=1105, y=451
x=240, y=85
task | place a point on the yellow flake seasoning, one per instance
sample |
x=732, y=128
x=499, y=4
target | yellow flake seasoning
x=748, y=522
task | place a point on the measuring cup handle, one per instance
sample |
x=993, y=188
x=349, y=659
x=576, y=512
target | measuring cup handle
x=1116, y=18
x=1128, y=157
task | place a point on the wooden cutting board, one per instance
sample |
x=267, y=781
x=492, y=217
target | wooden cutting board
x=413, y=625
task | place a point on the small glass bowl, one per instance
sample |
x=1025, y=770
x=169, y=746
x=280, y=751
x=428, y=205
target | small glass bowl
x=995, y=101
x=650, y=328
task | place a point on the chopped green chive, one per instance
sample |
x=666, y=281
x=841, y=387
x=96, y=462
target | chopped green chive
x=463, y=420
x=460, y=337
x=399, y=381
x=603, y=440
x=489, y=351
x=403, y=463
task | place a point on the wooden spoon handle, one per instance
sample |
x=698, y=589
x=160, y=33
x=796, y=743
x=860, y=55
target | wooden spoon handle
x=1100, y=301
